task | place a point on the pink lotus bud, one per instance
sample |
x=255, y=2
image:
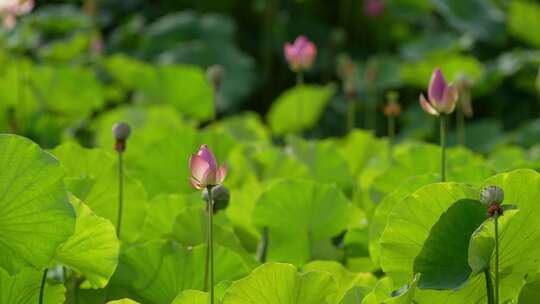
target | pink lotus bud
x=204, y=170
x=10, y=9
x=373, y=8
x=301, y=54
x=442, y=96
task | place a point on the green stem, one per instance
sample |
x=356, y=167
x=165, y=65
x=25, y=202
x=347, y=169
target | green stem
x=42, y=286
x=351, y=108
x=496, y=221
x=443, y=147
x=300, y=108
x=461, y=124
x=263, y=249
x=120, y=193
x=489, y=287
x=391, y=129
x=211, y=240
x=207, y=261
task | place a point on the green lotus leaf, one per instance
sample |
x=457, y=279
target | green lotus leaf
x=524, y=16
x=191, y=297
x=299, y=214
x=157, y=271
x=443, y=260
x=384, y=293
x=351, y=286
x=123, y=301
x=35, y=214
x=411, y=221
x=165, y=209
x=93, y=248
x=530, y=293
x=298, y=108
x=358, y=148
x=91, y=175
x=24, y=288
x=281, y=283
x=482, y=242
x=247, y=127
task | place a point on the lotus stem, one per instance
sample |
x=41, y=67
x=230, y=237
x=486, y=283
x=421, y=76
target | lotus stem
x=263, y=249
x=211, y=241
x=461, y=124
x=489, y=287
x=351, y=108
x=496, y=222
x=42, y=286
x=120, y=193
x=300, y=108
x=443, y=147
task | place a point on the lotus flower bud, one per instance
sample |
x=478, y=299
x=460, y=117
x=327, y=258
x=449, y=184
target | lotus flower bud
x=492, y=194
x=220, y=195
x=301, y=54
x=121, y=132
x=442, y=97
x=215, y=74
x=204, y=169
x=392, y=108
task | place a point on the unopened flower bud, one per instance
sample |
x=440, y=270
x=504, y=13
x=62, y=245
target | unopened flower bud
x=220, y=196
x=492, y=194
x=215, y=74
x=121, y=132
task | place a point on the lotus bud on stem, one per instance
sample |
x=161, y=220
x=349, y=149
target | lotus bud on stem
x=441, y=102
x=121, y=132
x=493, y=197
x=205, y=174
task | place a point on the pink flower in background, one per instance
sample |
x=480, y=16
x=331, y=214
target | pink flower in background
x=442, y=96
x=10, y=9
x=373, y=8
x=301, y=54
x=204, y=169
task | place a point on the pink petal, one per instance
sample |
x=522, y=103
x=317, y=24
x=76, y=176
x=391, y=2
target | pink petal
x=195, y=184
x=205, y=153
x=450, y=99
x=308, y=54
x=300, y=42
x=221, y=173
x=198, y=167
x=427, y=106
x=437, y=86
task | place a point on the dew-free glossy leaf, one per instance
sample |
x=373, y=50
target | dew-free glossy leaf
x=35, y=214
x=191, y=297
x=24, y=287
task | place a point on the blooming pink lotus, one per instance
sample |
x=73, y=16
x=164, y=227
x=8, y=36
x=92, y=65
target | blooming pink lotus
x=442, y=96
x=374, y=8
x=301, y=54
x=10, y=9
x=204, y=170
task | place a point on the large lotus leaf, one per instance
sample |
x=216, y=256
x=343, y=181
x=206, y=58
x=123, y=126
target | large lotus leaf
x=524, y=21
x=324, y=162
x=358, y=148
x=242, y=204
x=68, y=49
x=443, y=260
x=274, y=283
x=24, y=288
x=298, y=108
x=482, y=243
x=385, y=207
x=411, y=220
x=91, y=175
x=60, y=19
x=351, y=286
x=93, y=248
x=418, y=73
x=462, y=16
x=191, y=297
x=300, y=213
x=35, y=214
x=384, y=293
x=165, y=209
x=246, y=127
x=530, y=293
x=507, y=158
x=123, y=301
x=191, y=228
x=158, y=270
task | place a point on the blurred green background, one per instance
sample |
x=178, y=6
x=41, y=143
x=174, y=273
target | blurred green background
x=68, y=63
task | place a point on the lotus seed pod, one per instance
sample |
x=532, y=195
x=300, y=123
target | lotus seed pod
x=221, y=197
x=121, y=131
x=492, y=194
x=215, y=74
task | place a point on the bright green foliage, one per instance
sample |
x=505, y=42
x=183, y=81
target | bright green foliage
x=93, y=248
x=281, y=283
x=298, y=108
x=524, y=17
x=443, y=261
x=24, y=287
x=300, y=213
x=35, y=214
x=123, y=301
x=158, y=270
x=191, y=297
x=91, y=175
